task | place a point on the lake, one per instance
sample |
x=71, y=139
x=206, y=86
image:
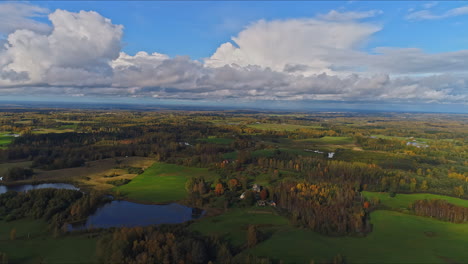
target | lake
x=129, y=214
x=121, y=213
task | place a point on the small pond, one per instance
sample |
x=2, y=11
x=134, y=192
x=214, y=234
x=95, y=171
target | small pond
x=121, y=213
x=129, y=214
x=27, y=187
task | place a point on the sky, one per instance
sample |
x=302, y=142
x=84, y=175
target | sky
x=363, y=54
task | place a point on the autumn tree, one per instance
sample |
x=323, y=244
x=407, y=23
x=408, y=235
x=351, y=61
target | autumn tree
x=219, y=189
x=458, y=191
x=263, y=194
x=424, y=186
x=233, y=183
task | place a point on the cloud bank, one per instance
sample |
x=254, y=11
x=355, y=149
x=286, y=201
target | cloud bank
x=319, y=58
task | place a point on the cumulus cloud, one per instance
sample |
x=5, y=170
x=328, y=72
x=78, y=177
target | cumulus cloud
x=15, y=16
x=428, y=15
x=76, y=52
x=296, y=59
x=277, y=43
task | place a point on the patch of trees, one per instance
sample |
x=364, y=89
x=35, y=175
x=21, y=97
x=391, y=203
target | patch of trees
x=441, y=210
x=57, y=206
x=119, y=182
x=326, y=208
x=164, y=244
x=380, y=143
x=17, y=173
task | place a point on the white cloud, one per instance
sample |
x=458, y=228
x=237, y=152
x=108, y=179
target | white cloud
x=77, y=51
x=15, y=16
x=428, y=15
x=296, y=59
x=276, y=44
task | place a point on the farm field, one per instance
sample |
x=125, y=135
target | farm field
x=281, y=127
x=65, y=129
x=41, y=246
x=403, y=201
x=162, y=183
x=396, y=238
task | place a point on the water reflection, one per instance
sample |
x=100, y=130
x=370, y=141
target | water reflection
x=129, y=214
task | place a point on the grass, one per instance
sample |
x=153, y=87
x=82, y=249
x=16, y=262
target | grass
x=41, y=247
x=396, y=238
x=5, y=141
x=365, y=156
x=162, y=183
x=403, y=201
x=233, y=224
x=281, y=127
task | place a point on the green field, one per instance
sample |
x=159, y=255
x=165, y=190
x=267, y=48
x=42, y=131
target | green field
x=403, y=201
x=233, y=224
x=41, y=247
x=5, y=140
x=162, y=183
x=281, y=127
x=396, y=238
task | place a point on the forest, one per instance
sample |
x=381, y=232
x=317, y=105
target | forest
x=265, y=181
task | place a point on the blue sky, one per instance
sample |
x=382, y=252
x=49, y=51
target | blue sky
x=358, y=52
x=166, y=26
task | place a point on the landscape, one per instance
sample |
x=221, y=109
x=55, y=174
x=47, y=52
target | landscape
x=250, y=187
x=233, y=132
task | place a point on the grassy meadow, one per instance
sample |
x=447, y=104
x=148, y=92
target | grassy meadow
x=34, y=244
x=162, y=183
x=233, y=224
x=396, y=238
x=5, y=140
